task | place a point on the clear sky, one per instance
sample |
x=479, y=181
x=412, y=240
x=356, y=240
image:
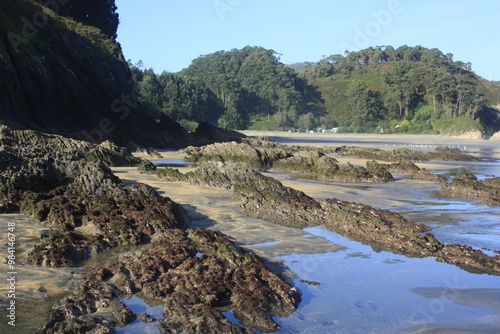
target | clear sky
x=169, y=34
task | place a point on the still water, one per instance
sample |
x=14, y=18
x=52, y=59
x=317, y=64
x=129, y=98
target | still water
x=363, y=291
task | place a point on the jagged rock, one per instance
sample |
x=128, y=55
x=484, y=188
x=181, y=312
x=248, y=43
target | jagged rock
x=328, y=167
x=61, y=183
x=262, y=152
x=193, y=288
x=91, y=211
x=256, y=152
x=266, y=198
x=441, y=153
x=413, y=171
x=468, y=186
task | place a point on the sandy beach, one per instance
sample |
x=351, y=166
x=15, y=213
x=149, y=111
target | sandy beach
x=371, y=140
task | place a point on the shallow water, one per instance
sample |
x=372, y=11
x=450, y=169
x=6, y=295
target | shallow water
x=363, y=291
x=138, y=305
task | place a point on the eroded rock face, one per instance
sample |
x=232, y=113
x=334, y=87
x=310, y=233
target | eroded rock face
x=196, y=273
x=266, y=198
x=66, y=185
x=468, y=186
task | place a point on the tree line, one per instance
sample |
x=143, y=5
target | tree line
x=231, y=89
x=404, y=89
x=376, y=86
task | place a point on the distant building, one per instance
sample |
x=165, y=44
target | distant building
x=334, y=130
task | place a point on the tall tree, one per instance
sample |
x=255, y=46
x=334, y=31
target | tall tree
x=363, y=103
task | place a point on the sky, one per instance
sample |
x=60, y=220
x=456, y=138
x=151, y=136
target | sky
x=168, y=34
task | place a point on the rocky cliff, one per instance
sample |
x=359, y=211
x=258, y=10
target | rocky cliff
x=59, y=76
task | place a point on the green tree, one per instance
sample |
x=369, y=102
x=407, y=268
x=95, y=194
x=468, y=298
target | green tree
x=364, y=104
x=97, y=13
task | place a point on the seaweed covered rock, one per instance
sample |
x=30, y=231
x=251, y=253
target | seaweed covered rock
x=468, y=186
x=198, y=274
x=262, y=197
x=93, y=224
x=318, y=164
x=266, y=198
x=53, y=180
x=382, y=229
x=413, y=171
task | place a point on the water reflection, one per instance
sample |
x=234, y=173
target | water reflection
x=383, y=292
x=138, y=305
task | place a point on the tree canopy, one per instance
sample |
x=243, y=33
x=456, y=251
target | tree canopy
x=414, y=85
x=101, y=14
x=405, y=89
x=252, y=82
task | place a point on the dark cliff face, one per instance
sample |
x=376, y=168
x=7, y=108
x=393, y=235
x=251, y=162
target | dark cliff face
x=62, y=77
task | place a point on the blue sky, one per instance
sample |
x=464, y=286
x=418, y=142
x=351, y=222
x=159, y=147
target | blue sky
x=168, y=34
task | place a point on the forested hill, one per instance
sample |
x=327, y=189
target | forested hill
x=408, y=89
x=231, y=88
x=403, y=90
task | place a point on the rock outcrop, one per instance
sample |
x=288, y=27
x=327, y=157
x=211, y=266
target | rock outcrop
x=255, y=152
x=468, y=186
x=265, y=153
x=441, y=153
x=62, y=77
x=266, y=198
x=198, y=274
x=66, y=184
x=412, y=171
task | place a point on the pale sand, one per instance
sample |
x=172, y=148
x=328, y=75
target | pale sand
x=217, y=209
x=32, y=282
x=370, y=140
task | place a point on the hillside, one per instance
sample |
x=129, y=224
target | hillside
x=403, y=90
x=60, y=76
x=235, y=89
x=382, y=89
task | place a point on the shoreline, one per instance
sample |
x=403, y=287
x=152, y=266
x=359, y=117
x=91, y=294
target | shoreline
x=217, y=209
x=369, y=139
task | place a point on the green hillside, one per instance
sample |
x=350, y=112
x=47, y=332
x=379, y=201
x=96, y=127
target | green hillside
x=382, y=89
x=404, y=90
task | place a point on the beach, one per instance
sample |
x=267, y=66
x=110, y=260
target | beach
x=344, y=301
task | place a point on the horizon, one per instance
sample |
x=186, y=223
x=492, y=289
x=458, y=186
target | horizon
x=172, y=34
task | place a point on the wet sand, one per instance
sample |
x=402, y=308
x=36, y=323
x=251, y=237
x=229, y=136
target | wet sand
x=32, y=282
x=370, y=140
x=36, y=288
x=217, y=209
